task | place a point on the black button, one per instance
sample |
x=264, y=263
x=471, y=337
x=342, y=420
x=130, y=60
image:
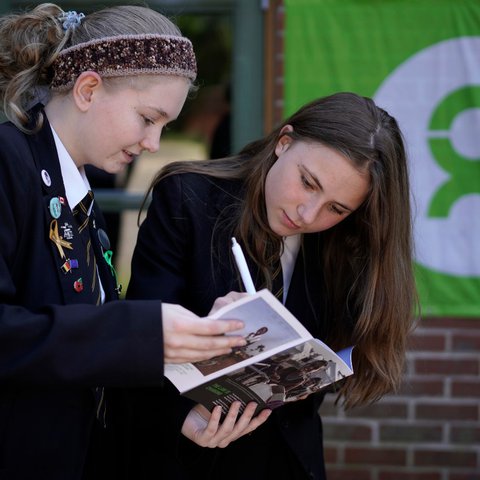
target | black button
x=103, y=238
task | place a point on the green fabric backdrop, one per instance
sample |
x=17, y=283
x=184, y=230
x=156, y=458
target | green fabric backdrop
x=420, y=60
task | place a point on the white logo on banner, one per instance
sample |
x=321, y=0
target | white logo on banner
x=412, y=93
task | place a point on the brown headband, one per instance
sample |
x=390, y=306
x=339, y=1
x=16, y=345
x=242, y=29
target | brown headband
x=124, y=56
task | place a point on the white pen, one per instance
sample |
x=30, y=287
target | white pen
x=242, y=267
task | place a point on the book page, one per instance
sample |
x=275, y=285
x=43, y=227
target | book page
x=269, y=328
x=285, y=377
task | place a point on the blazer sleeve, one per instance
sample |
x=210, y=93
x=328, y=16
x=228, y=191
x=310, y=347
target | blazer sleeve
x=161, y=258
x=42, y=341
x=116, y=344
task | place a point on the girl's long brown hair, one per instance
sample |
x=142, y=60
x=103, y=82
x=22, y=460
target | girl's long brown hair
x=367, y=258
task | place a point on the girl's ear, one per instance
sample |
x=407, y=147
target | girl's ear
x=284, y=140
x=86, y=85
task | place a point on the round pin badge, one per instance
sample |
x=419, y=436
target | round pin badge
x=46, y=178
x=55, y=207
x=103, y=238
x=78, y=285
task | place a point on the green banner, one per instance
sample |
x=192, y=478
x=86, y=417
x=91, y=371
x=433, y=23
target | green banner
x=420, y=60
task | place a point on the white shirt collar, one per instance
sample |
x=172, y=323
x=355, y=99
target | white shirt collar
x=291, y=246
x=74, y=179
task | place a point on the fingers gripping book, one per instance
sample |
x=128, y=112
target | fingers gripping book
x=280, y=363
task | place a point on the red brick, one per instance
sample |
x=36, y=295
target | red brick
x=428, y=342
x=279, y=47
x=280, y=19
x=336, y=431
x=471, y=475
x=469, y=435
x=415, y=387
x=330, y=454
x=448, y=412
x=382, y=409
x=445, y=458
x=376, y=456
x=345, y=473
x=405, y=474
x=278, y=88
x=466, y=388
x=463, y=342
x=410, y=433
x=442, y=366
x=279, y=66
x=278, y=113
x=450, y=323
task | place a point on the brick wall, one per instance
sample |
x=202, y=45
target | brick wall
x=430, y=429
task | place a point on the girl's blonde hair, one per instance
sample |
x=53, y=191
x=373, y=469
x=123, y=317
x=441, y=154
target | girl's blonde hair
x=30, y=42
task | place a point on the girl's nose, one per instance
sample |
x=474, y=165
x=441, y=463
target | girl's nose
x=309, y=211
x=151, y=142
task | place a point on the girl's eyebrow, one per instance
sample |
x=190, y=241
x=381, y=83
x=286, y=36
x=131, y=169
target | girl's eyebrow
x=344, y=207
x=162, y=113
x=317, y=181
x=313, y=177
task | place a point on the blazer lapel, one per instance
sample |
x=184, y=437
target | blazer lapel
x=305, y=295
x=101, y=247
x=66, y=245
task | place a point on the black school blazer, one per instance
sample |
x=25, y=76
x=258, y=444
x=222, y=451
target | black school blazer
x=183, y=258
x=55, y=347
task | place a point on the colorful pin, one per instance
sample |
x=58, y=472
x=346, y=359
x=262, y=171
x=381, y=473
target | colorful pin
x=69, y=265
x=107, y=255
x=46, y=178
x=78, y=285
x=67, y=231
x=55, y=207
x=58, y=240
x=66, y=267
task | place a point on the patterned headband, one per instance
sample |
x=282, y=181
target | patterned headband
x=124, y=56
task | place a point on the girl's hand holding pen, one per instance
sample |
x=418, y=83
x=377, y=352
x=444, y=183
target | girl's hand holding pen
x=189, y=338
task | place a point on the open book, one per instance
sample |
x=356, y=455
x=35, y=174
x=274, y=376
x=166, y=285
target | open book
x=280, y=363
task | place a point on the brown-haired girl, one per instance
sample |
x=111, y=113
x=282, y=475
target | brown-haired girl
x=321, y=207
